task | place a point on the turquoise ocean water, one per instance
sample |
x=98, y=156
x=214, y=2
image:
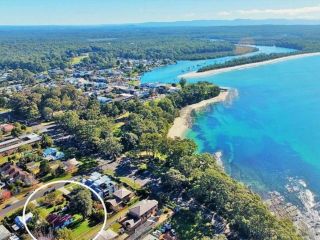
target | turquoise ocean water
x=271, y=130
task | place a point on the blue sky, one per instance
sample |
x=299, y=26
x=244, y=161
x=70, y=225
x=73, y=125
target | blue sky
x=78, y=12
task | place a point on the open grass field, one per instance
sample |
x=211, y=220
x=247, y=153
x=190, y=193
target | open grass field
x=77, y=60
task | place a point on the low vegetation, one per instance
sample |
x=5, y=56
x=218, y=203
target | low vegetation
x=243, y=61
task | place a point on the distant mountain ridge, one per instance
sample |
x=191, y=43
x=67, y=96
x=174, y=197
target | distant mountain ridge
x=235, y=22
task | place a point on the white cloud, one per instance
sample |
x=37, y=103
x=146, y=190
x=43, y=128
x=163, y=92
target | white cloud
x=303, y=12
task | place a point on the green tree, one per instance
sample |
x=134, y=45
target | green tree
x=111, y=148
x=47, y=113
x=32, y=112
x=98, y=216
x=59, y=171
x=81, y=202
x=183, y=82
x=17, y=131
x=129, y=141
x=151, y=143
x=3, y=102
x=46, y=141
x=44, y=167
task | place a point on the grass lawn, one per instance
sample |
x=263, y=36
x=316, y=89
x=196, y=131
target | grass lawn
x=3, y=160
x=115, y=227
x=83, y=230
x=47, y=123
x=4, y=110
x=109, y=172
x=44, y=212
x=134, y=83
x=131, y=183
x=116, y=127
x=65, y=177
x=77, y=60
x=125, y=115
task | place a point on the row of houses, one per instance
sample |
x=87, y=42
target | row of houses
x=12, y=173
x=116, y=199
x=12, y=145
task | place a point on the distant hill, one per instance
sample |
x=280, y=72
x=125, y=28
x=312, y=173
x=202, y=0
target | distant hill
x=236, y=22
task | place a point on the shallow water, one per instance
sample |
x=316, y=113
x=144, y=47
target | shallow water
x=271, y=131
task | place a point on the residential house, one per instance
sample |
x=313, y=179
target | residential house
x=103, y=100
x=4, y=233
x=101, y=184
x=59, y=221
x=6, y=128
x=13, y=173
x=52, y=154
x=10, y=146
x=19, y=220
x=71, y=165
x=4, y=195
x=139, y=214
x=121, y=197
x=33, y=167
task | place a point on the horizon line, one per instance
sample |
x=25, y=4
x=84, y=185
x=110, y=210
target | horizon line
x=165, y=22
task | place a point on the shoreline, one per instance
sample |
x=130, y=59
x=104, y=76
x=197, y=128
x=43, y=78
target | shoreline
x=245, y=66
x=182, y=123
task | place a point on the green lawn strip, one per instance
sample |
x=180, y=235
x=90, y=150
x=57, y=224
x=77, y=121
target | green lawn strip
x=82, y=230
x=109, y=172
x=70, y=187
x=47, y=123
x=65, y=177
x=10, y=213
x=131, y=183
x=116, y=227
x=116, y=127
x=4, y=110
x=124, y=115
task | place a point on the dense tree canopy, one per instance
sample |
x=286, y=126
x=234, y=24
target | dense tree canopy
x=38, y=49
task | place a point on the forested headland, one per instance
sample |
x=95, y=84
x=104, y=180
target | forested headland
x=244, y=60
x=137, y=127
x=38, y=49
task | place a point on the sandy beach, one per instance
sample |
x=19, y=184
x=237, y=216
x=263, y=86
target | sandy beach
x=250, y=65
x=183, y=122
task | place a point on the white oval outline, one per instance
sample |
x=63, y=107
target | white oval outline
x=63, y=181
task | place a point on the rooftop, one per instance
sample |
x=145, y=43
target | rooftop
x=142, y=207
x=122, y=193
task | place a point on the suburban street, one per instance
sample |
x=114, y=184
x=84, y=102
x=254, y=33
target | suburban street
x=20, y=204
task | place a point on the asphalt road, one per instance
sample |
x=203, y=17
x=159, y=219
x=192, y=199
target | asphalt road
x=21, y=203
